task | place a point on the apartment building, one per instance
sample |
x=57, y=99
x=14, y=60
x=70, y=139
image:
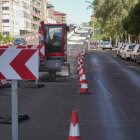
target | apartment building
x=50, y=13
x=0, y=17
x=20, y=17
x=60, y=17
x=38, y=10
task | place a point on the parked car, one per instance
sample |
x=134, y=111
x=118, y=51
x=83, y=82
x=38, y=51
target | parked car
x=134, y=52
x=138, y=57
x=121, y=49
x=106, y=45
x=118, y=49
x=20, y=41
x=126, y=51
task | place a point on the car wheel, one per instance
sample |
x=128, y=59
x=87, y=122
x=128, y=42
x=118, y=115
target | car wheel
x=134, y=58
x=131, y=58
x=122, y=56
x=125, y=58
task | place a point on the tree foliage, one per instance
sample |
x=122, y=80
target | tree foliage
x=5, y=39
x=132, y=22
x=117, y=16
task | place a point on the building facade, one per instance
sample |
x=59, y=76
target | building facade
x=60, y=17
x=49, y=13
x=21, y=17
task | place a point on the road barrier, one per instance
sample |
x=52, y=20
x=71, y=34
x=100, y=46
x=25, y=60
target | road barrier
x=6, y=83
x=82, y=77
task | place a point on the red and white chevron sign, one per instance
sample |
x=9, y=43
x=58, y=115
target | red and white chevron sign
x=40, y=47
x=19, y=64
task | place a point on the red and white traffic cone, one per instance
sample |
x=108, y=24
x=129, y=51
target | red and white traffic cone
x=80, y=65
x=81, y=71
x=0, y=84
x=81, y=61
x=74, y=133
x=84, y=85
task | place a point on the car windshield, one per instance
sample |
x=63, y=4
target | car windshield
x=18, y=40
x=106, y=43
x=131, y=46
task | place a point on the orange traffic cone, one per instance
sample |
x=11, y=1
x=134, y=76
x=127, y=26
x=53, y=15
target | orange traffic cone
x=74, y=133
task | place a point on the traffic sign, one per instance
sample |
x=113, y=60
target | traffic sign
x=19, y=64
x=40, y=47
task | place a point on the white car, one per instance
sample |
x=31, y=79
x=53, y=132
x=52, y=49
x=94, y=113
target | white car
x=121, y=49
x=134, y=52
x=138, y=57
x=126, y=51
x=118, y=49
x=106, y=45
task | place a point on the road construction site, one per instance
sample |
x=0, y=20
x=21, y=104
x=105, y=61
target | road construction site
x=47, y=109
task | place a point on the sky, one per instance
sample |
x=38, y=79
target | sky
x=76, y=10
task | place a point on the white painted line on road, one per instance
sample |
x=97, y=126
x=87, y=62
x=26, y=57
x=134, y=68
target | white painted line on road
x=105, y=91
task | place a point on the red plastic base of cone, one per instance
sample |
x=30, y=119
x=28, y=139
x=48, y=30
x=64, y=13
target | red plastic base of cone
x=83, y=90
x=86, y=92
x=74, y=138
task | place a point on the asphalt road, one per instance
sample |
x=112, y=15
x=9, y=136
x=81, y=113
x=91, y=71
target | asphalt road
x=110, y=112
x=115, y=113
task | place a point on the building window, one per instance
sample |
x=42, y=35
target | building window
x=5, y=20
x=5, y=8
x=5, y=14
x=6, y=33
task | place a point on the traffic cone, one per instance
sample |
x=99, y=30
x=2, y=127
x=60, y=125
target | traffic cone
x=80, y=66
x=80, y=76
x=84, y=80
x=84, y=85
x=0, y=84
x=74, y=133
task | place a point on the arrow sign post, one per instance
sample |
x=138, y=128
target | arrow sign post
x=18, y=64
x=14, y=110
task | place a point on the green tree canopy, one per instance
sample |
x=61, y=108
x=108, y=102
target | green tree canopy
x=111, y=15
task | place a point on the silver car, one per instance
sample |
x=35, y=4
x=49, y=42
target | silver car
x=134, y=52
x=118, y=49
x=138, y=57
x=126, y=51
x=106, y=45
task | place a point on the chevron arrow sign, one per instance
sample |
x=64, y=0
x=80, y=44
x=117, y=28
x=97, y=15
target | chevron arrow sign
x=19, y=64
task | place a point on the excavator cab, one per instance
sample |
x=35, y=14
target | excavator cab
x=54, y=38
x=56, y=42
